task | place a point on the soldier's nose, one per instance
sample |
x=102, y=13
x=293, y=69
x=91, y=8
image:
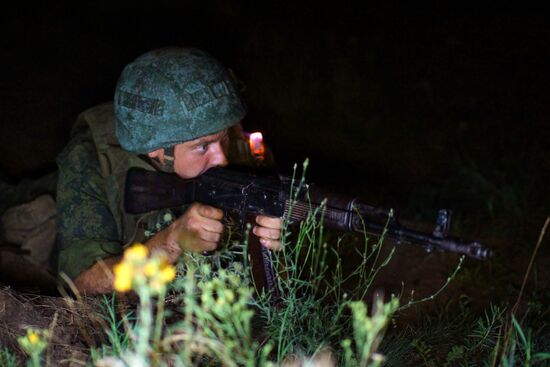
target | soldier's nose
x=219, y=158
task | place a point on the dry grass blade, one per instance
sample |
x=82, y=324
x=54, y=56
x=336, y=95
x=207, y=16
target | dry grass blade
x=533, y=256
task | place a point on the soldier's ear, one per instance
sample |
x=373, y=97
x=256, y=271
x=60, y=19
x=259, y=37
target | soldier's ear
x=157, y=155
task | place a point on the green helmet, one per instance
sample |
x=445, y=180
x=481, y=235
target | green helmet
x=172, y=95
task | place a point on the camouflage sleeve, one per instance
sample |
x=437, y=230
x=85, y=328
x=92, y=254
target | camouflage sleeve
x=87, y=230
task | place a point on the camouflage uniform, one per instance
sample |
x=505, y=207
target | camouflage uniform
x=92, y=224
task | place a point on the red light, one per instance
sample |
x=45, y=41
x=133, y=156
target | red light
x=256, y=142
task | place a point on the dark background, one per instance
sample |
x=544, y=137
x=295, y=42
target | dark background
x=410, y=109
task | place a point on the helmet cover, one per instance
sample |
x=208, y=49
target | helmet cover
x=172, y=95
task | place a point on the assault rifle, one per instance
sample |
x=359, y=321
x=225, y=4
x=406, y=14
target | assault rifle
x=250, y=195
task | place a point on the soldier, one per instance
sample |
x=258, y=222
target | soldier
x=173, y=111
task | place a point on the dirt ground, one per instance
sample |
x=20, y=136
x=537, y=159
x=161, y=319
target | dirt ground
x=72, y=326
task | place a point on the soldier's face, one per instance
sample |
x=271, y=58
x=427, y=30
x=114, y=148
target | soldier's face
x=193, y=158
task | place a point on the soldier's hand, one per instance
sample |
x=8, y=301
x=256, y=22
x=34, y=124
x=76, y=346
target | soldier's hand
x=199, y=228
x=268, y=229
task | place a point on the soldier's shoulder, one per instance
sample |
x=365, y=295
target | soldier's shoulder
x=79, y=151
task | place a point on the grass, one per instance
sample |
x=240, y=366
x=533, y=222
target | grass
x=7, y=359
x=455, y=336
x=118, y=339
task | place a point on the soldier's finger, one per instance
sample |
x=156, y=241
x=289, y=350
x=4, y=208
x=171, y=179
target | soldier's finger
x=267, y=233
x=203, y=245
x=208, y=211
x=269, y=222
x=212, y=226
x=197, y=241
x=210, y=236
x=271, y=244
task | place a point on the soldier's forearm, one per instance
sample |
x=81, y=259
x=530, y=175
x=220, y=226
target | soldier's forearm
x=98, y=278
x=165, y=241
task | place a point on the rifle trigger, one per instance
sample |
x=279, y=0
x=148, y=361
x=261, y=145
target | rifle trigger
x=443, y=223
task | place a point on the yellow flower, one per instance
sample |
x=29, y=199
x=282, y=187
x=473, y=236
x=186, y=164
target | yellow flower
x=167, y=274
x=123, y=276
x=151, y=268
x=138, y=252
x=34, y=342
x=33, y=337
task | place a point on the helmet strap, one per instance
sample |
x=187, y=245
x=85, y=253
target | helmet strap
x=169, y=158
x=168, y=164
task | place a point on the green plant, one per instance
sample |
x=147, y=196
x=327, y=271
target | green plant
x=216, y=321
x=368, y=333
x=7, y=359
x=311, y=311
x=515, y=347
x=34, y=343
x=117, y=337
x=455, y=336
